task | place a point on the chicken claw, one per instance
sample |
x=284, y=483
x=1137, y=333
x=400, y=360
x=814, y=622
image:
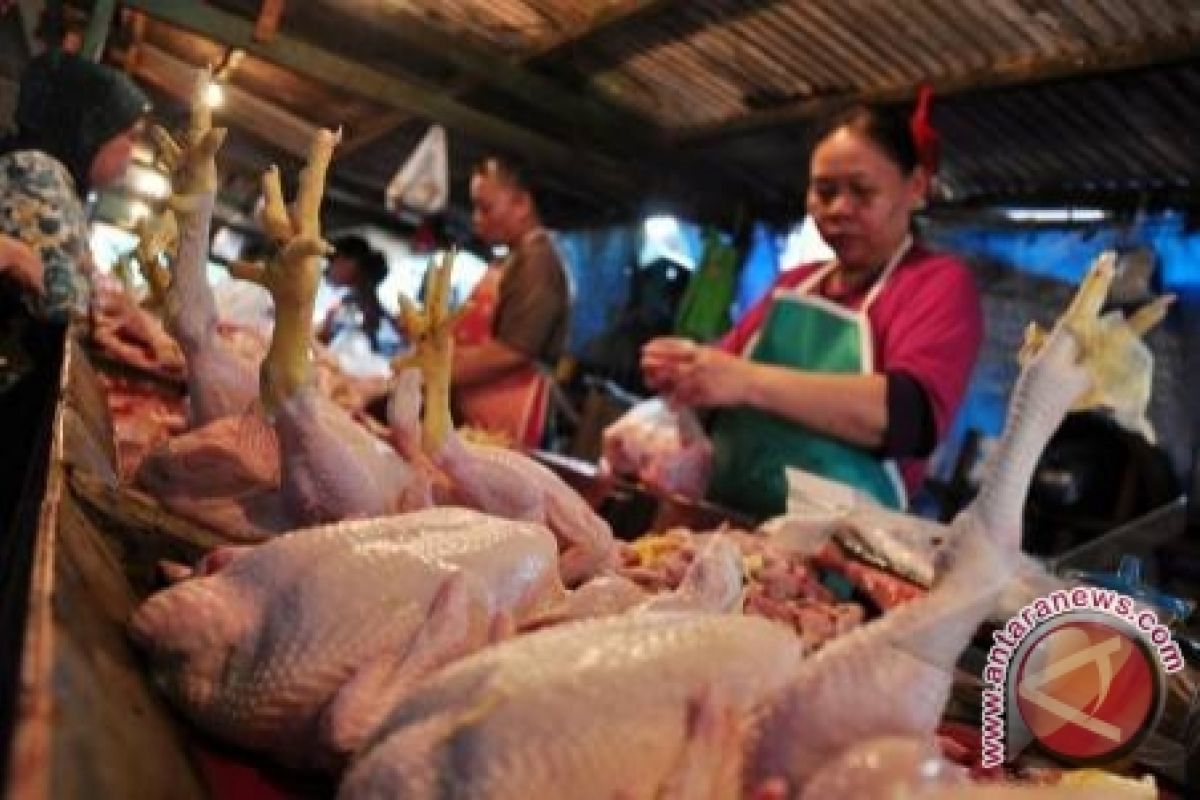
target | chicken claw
x=292, y=274
x=157, y=236
x=431, y=332
x=1118, y=363
x=192, y=163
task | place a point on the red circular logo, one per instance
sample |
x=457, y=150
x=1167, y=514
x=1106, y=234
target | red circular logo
x=1087, y=689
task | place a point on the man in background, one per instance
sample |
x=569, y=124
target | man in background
x=516, y=326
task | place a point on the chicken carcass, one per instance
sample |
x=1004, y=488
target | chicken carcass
x=295, y=646
x=221, y=369
x=493, y=479
x=593, y=709
x=491, y=725
x=224, y=475
x=331, y=467
x=503, y=482
x=899, y=668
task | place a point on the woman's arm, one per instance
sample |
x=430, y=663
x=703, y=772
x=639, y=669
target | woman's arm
x=43, y=211
x=852, y=408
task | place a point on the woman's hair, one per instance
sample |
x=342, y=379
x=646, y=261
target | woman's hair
x=371, y=263
x=889, y=130
x=69, y=107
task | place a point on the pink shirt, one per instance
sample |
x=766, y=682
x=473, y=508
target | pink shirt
x=926, y=322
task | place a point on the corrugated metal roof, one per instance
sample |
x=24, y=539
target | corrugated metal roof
x=709, y=61
x=727, y=89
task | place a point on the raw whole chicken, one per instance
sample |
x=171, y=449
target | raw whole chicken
x=316, y=464
x=221, y=369
x=331, y=467
x=899, y=668
x=296, y=645
x=491, y=726
x=597, y=709
x=493, y=479
x=224, y=475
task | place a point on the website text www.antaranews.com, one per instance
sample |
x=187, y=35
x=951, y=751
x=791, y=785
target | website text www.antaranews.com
x=1007, y=639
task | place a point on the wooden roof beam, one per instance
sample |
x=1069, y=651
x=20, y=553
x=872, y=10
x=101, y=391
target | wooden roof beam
x=1115, y=59
x=405, y=95
x=514, y=76
x=584, y=111
x=369, y=131
x=261, y=119
x=270, y=15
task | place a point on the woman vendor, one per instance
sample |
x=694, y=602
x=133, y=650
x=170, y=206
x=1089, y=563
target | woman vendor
x=76, y=123
x=851, y=369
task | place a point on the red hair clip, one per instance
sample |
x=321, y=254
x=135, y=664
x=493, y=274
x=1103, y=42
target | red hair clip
x=925, y=136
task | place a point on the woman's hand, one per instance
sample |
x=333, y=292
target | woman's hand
x=696, y=375
x=22, y=264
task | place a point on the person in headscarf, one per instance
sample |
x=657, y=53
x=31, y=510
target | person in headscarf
x=76, y=124
x=359, y=268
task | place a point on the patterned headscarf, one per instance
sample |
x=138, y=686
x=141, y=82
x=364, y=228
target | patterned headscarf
x=70, y=107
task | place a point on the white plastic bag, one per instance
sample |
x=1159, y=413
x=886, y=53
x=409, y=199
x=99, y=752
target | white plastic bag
x=664, y=448
x=423, y=183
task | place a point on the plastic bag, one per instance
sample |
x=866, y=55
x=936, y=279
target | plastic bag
x=423, y=183
x=354, y=355
x=664, y=448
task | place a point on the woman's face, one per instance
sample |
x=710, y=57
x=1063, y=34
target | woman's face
x=860, y=199
x=113, y=157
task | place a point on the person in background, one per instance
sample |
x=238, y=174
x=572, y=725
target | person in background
x=851, y=369
x=357, y=266
x=76, y=124
x=516, y=325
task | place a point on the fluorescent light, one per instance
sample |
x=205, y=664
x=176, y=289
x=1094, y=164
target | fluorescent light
x=149, y=182
x=661, y=226
x=214, y=95
x=499, y=251
x=1056, y=214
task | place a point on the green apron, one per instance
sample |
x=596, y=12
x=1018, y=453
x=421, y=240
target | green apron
x=751, y=448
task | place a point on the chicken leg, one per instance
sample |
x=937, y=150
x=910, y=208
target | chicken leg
x=332, y=467
x=495, y=480
x=899, y=669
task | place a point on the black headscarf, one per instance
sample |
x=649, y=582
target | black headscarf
x=69, y=107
